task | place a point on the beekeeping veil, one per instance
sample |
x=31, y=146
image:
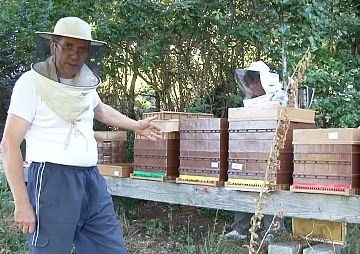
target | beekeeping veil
x=269, y=81
x=69, y=97
x=67, y=100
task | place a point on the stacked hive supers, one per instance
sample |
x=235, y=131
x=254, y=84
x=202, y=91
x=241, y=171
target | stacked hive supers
x=111, y=146
x=327, y=161
x=112, y=153
x=159, y=160
x=251, y=134
x=203, y=151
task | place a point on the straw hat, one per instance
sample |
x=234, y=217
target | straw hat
x=72, y=27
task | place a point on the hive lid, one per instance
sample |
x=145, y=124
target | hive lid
x=168, y=125
x=327, y=136
x=110, y=135
x=270, y=113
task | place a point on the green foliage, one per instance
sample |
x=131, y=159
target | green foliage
x=353, y=238
x=154, y=226
x=125, y=208
x=183, y=53
x=212, y=242
x=186, y=242
x=11, y=240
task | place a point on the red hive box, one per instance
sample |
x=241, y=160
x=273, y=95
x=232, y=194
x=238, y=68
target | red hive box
x=204, y=148
x=327, y=161
x=251, y=133
x=161, y=156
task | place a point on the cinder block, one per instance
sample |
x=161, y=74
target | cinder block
x=324, y=248
x=285, y=248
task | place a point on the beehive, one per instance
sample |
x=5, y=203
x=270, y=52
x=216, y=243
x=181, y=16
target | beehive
x=111, y=146
x=327, y=161
x=161, y=156
x=251, y=133
x=158, y=160
x=203, y=149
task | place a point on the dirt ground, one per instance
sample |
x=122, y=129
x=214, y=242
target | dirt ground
x=164, y=228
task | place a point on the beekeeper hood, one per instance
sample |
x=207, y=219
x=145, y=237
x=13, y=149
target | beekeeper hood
x=269, y=80
x=67, y=96
x=67, y=100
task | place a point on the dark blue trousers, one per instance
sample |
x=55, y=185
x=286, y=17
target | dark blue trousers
x=72, y=207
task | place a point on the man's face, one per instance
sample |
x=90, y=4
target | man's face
x=253, y=82
x=70, y=55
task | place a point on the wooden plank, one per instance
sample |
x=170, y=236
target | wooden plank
x=171, y=125
x=270, y=113
x=299, y=205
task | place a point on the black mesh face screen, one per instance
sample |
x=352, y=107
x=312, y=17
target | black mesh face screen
x=251, y=77
x=94, y=58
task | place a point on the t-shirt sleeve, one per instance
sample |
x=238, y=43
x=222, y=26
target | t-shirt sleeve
x=96, y=99
x=23, y=98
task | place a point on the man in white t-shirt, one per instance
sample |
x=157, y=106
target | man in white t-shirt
x=53, y=105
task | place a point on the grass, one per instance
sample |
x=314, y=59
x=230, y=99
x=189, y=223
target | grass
x=11, y=240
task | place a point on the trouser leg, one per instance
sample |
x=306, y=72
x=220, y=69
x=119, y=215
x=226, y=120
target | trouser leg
x=101, y=231
x=242, y=222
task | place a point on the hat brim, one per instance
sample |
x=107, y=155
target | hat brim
x=50, y=35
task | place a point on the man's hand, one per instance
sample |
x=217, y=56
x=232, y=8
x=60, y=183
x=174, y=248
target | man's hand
x=25, y=218
x=148, y=129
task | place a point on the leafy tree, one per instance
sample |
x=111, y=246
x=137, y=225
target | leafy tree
x=183, y=53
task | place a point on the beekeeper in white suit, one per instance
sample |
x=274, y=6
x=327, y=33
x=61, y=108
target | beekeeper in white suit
x=262, y=89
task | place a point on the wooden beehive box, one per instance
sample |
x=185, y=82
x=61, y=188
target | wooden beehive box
x=111, y=146
x=270, y=113
x=117, y=170
x=251, y=134
x=203, y=150
x=161, y=156
x=327, y=161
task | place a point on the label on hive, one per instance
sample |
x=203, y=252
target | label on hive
x=333, y=135
x=237, y=166
x=215, y=164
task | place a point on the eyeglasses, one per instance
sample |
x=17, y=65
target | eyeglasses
x=70, y=50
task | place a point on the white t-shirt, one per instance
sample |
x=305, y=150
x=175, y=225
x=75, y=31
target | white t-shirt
x=47, y=135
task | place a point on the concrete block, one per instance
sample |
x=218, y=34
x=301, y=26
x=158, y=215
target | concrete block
x=323, y=248
x=285, y=248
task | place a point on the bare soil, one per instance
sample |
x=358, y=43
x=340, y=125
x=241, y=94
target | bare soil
x=165, y=228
